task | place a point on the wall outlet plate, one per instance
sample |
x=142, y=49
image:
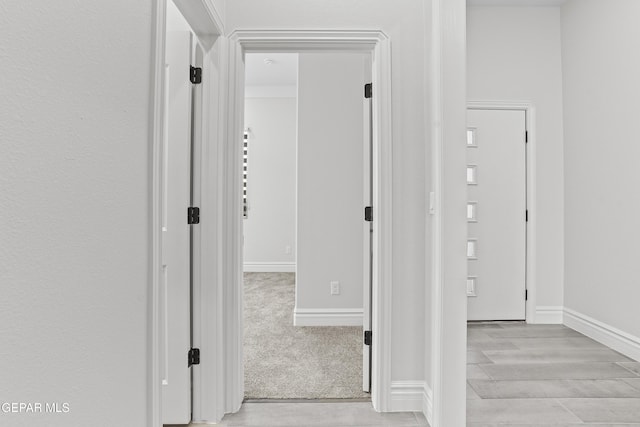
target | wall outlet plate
x=335, y=288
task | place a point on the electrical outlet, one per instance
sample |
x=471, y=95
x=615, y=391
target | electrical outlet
x=335, y=288
x=287, y=249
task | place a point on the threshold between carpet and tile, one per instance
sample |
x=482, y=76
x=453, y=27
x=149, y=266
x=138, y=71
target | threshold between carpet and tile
x=303, y=362
x=354, y=414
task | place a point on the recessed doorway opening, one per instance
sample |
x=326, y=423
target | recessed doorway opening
x=376, y=45
x=306, y=183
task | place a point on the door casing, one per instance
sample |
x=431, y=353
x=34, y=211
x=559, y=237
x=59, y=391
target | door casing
x=502, y=293
x=376, y=43
x=206, y=23
x=530, y=258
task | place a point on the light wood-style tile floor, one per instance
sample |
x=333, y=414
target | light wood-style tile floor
x=547, y=375
x=518, y=375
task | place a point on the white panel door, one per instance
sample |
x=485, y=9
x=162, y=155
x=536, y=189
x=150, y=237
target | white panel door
x=176, y=390
x=368, y=237
x=496, y=184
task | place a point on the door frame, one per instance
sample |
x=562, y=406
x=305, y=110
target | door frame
x=377, y=43
x=207, y=24
x=530, y=165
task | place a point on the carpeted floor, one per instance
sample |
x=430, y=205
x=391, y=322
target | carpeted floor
x=286, y=362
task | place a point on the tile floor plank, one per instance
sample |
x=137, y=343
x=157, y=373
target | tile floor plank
x=551, y=425
x=555, y=343
x=476, y=357
x=604, y=410
x=471, y=393
x=631, y=366
x=532, y=332
x=475, y=372
x=552, y=371
x=518, y=411
x=556, y=377
x=538, y=389
x=633, y=382
x=554, y=356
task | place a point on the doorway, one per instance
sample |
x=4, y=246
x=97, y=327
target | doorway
x=376, y=44
x=496, y=214
x=178, y=185
x=186, y=79
x=306, y=247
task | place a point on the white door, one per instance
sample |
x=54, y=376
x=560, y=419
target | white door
x=496, y=214
x=368, y=240
x=176, y=390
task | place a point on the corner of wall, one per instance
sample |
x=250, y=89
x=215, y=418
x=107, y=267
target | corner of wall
x=412, y=396
x=548, y=315
x=623, y=342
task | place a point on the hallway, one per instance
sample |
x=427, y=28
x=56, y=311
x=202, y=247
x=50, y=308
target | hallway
x=519, y=374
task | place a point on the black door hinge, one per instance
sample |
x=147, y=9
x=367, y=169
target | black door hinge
x=195, y=75
x=368, y=90
x=368, y=213
x=526, y=215
x=194, y=356
x=193, y=215
x=526, y=295
x=526, y=136
x=367, y=337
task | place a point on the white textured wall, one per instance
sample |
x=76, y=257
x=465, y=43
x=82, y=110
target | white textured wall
x=403, y=21
x=175, y=19
x=74, y=209
x=514, y=54
x=600, y=42
x=330, y=188
x=271, y=188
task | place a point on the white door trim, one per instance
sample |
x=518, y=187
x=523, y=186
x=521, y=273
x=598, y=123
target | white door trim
x=154, y=374
x=311, y=41
x=448, y=298
x=205, y=21
x=530, y=252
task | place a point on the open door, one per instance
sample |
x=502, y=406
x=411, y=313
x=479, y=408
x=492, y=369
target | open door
x=368, y=264
x=176, y=322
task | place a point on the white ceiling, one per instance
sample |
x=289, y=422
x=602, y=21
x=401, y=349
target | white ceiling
x=283, y=70
x=515, y=2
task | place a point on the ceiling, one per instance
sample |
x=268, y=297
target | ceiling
x=515, y=2
x=281, y=71
x=283, y=67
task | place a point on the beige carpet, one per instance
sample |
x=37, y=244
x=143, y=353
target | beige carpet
x=286, y=362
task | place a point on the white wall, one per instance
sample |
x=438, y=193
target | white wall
x=514, y=54
x=220, y=6
x=175, y=19
x=74, y=209
x=600, y=42
x=404, y=22
x=271, y=190
x=330, y=188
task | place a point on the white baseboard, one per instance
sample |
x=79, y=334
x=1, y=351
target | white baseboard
x=618, y=340
x=427, y=404
x=412, y=396
x=327, y=317
x=549, y=315
x=269, y=267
